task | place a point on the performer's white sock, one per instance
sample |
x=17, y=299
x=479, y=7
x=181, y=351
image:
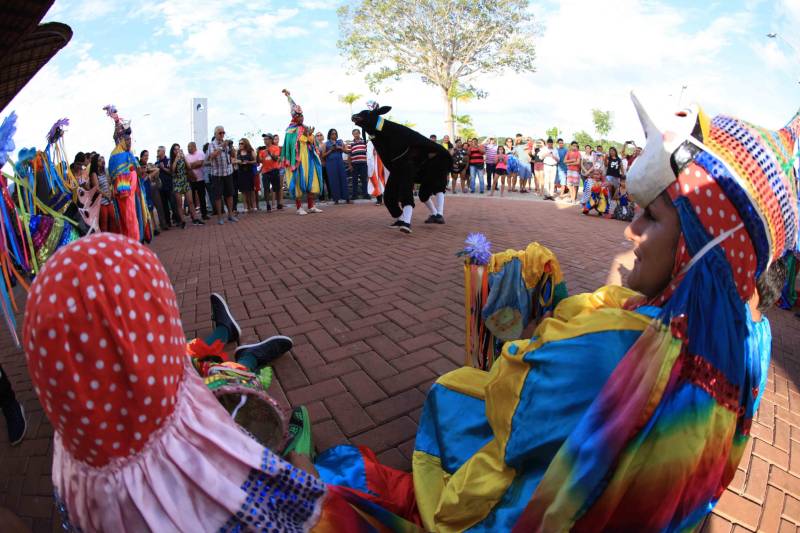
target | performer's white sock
x=406, y=216
x=440, y=203
x=429, y=203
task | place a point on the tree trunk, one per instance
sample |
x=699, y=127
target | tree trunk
x=449, y=123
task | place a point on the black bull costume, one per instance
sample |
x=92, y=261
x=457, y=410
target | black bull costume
x=410, y=157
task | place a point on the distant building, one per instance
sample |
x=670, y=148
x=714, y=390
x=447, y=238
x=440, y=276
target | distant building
x=199, y=121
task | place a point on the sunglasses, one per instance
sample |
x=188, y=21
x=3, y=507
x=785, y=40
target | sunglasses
x=220, y=133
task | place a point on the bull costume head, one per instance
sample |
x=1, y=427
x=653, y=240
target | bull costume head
x=370, y=119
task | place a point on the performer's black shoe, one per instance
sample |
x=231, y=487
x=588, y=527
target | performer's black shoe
x=15, y=422
x=431, y=219
x=439, y=219
x=221, y=316
x=266, y=351
x=396, y=224
x=404, y=227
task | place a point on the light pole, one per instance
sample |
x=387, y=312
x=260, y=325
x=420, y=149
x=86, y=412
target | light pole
x=775, y=35
x=680, y=98
x=253, y=122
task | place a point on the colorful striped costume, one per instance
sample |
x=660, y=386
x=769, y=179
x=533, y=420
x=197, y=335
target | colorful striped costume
x=620, y=413
x=299, y=156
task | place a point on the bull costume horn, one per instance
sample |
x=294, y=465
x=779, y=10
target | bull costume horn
x=652, y=171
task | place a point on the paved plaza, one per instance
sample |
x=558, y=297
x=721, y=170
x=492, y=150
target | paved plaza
x=377, y=315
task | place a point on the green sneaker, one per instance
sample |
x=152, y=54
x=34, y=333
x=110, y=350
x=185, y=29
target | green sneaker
x=300, y=433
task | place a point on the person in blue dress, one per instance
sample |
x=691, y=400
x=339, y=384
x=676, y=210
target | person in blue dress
x=333, y=151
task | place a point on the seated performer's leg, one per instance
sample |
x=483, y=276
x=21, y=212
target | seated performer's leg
x=254, y=356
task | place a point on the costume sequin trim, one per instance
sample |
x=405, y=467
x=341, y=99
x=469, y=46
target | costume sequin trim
x=279, y=497
x=66, y=523
x=699, y=372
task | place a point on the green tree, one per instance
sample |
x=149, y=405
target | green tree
x=465, y=128
x=603, y=122
x=583, y=138
x=349, y=99
x=443, y=41
x=552, y=133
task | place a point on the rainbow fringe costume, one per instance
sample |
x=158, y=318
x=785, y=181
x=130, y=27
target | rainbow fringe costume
x=303, y=167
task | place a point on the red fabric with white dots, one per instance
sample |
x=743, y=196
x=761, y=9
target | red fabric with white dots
x=717, y=214
x=105, y=345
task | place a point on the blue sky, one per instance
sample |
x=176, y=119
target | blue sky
x=151, y=59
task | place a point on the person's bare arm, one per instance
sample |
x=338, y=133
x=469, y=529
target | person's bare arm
x=302, y=462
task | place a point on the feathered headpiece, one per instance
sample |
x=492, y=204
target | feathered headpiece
x=7, y=130
x=57, y=130
x=122, y=128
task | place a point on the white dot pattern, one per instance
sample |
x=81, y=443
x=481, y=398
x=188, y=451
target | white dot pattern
x=89, y=393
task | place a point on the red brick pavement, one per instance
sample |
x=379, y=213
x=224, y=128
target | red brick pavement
x=377, y=315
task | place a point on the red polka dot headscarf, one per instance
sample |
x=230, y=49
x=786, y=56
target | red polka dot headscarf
x=105, y=346
x=735, y=180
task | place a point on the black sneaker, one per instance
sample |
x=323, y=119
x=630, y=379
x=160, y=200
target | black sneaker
x=221, y=316
x=266, y=351
x=15, y=422
x=198, y=222
x=404, y=227
x=431, y=219
x=396, y=224
x=439, y=219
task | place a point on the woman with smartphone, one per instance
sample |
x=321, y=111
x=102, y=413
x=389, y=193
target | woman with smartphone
x=245, y=158
x=333, y=151
x=181, y=188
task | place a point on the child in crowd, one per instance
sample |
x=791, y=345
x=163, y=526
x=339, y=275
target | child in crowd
x=500, y=169
x=598, y=198
x=625, y=208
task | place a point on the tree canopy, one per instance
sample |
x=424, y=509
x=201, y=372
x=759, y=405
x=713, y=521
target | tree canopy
x=603, y=122
x=443, y=41
x=349, y=99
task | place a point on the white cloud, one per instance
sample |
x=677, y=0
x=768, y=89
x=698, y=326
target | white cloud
x=588, y=56
x=86, y=10
x=317, y=4
x=772, y=54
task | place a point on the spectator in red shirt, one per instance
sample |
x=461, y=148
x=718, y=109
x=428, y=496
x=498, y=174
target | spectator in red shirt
x=270, y=174
x=476, y=152
x=573, y=178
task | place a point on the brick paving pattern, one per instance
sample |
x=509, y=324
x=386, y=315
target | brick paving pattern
x=377, y=315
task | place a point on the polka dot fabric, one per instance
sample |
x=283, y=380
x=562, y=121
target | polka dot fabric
x=717, y=215
x=764, y=163
x=105, y=346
